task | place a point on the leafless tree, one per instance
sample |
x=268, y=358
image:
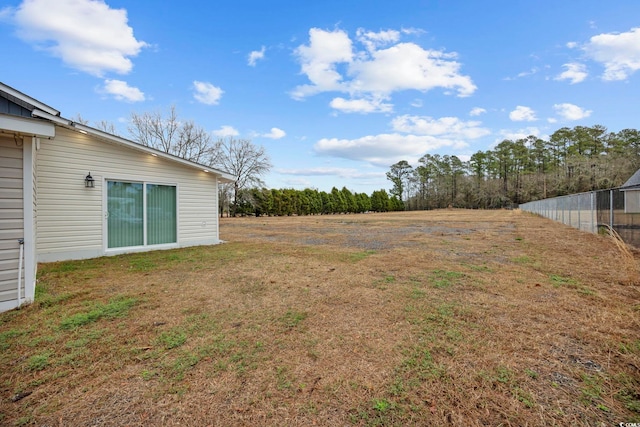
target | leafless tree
x=242, y=159
x=239, y=157
x=107, y=127
x=102, y=125
x=183, y=139
x=79, y=119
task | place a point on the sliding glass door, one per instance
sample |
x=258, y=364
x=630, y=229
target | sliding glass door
x=125, y=204
x=140, y=214
x=161, y=214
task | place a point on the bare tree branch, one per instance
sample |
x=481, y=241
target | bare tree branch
x=183, y=139
x=241, y=158
x=107, y=127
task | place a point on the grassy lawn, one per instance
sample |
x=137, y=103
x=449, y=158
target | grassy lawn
x=448, y=317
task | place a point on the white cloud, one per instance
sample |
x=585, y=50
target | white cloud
x=256, y=55
x=384, y=149
x=417, y=31
x=360, y=105
x=226, y=131
x=408, y=66
x=207, y=93
x=298, y=183
x=275, y=134
x=618, y=52
x=514, y=135
x=331, y=63
x=86, y=34
x=531, y=72
x=571, y=112
x=347, y=173
x=373, y=40
x=447, y=127
x=523, y=114
x=522, y=74
x=412, y=137
x=121, y=91
x=477, y=111
x=575, y=73
x=319, y=60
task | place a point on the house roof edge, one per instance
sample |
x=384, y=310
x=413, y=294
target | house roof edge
x=31, y=103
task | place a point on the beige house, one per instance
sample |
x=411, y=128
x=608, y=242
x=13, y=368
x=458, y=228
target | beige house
x=69, y=191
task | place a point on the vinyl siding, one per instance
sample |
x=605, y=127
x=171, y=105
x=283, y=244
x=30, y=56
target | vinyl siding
x=11, y=215
x=71, y=218
x=31, y=217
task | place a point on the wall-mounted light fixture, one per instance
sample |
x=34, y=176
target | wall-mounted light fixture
x=89, y=182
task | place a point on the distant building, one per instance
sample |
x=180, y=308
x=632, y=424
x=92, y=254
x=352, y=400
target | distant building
x=631, y=190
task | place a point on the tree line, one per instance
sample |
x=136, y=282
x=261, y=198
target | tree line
x=286, y=202
x=571, y=160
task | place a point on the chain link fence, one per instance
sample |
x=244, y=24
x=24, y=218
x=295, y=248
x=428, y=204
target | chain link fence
x=590, y=212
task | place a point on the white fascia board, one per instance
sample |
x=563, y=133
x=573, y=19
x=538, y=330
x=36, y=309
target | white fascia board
x=223, y=176
x=29, y=100
x=27, y=126
x=56, y=119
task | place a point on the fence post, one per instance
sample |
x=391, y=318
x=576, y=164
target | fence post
x=611, y=209
x=593, y=212
x=579, y=209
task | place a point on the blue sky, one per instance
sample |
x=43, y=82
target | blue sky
x=336, y=91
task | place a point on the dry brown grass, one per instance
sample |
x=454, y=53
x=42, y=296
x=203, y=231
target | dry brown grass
x=421, y=318
x=626, y=252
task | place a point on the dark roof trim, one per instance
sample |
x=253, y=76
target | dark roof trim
x=25, y=101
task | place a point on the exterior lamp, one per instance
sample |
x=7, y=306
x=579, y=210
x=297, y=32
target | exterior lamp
x=89, y=181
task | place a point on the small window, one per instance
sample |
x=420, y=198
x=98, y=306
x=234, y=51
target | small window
x=140, y=214
x=632, y=201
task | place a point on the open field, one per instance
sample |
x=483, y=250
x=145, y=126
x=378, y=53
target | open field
x=448, y=317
